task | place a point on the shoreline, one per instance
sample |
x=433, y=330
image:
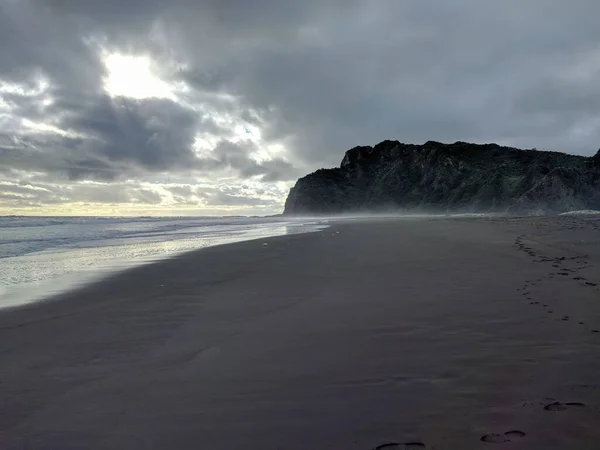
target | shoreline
x=15, y=295
x=436, y=331
x=102, y=276
x=33, y=293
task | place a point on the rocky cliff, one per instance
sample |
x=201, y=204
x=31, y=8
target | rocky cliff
x=459, y=177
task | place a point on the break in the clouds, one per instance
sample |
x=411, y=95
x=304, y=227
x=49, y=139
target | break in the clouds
x=217, y=107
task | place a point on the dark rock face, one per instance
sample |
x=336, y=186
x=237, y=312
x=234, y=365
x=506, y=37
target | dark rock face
x=459, y=177
x=596, y=159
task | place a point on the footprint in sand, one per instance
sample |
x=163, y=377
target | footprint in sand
x=558, y=406
x=398, y=446
x=509, y=436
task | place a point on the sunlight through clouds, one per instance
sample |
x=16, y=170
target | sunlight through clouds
x=132, y=76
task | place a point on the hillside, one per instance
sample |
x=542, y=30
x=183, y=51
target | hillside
x=459, y=177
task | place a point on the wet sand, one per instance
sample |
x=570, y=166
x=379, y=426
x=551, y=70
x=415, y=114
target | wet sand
x=445, y=334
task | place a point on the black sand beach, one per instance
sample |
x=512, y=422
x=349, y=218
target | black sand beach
x=441, y=334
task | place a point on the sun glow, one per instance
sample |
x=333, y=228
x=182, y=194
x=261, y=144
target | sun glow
x=132, y=76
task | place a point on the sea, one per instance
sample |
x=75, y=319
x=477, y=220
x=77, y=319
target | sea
x=44, y=256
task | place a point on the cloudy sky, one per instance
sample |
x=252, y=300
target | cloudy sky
x=186, y=107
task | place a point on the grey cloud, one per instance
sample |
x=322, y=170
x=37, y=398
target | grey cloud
x=182, y=191
x=39, y=41
x=229, y=195
x=96, y=193
x=147, y=196
x=223, y=198
x=236, y=156
x=9, y=196
x=23, y=190
x=279, y=170
x=155, y=134
x=114, y=137
x=563, y=96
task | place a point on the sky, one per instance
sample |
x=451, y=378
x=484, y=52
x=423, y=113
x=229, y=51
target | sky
x=212, y=107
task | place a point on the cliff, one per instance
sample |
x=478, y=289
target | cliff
x=459, y=177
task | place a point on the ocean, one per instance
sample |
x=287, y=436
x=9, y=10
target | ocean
x=43, y=256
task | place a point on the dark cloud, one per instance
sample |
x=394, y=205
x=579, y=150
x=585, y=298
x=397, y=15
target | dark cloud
x=224, y=198
x=237, y=156
x=154, y=134
x=147, y=196
x=562, y=96
x=316, y=77
x=40, y=41
x=116, y=137
x=183, y=191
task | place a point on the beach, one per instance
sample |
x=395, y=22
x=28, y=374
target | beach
x=458, y=333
